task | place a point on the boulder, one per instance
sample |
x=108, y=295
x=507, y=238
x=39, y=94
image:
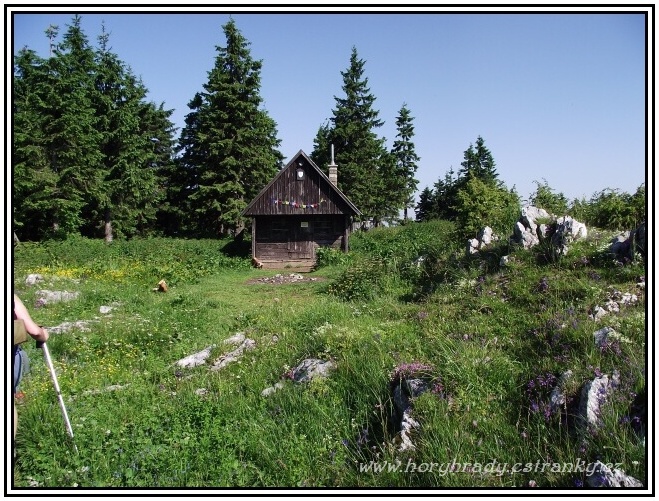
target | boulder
x=566, y=231
x=234, y=355
x=196, y=359
x=312, y=368
x=33, y=278
x=604, y=476
x=593, y=395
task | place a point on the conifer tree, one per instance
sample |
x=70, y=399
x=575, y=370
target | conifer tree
x=71, y=128
x=406, y=159
x=360, y=155
x=424, y=206
x=229, y=143
x=34, y=182
x=84, y=156
x=478, y=163
x=445, y=197
x=131, y=126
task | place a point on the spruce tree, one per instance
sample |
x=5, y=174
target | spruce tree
x=406, y=159
x=71, y=128
x=34, y=182
x=478, y=163
x=360, y=155
x=229, y=143
x=424, y=207
x=135, y=144
x=446, y=191
x=85, y=160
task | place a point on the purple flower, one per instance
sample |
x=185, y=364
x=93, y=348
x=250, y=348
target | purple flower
x=547, y=413
x=543, y=285
x=438, y=389
x=411, y=369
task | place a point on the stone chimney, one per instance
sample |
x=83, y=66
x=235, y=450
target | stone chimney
x=333, y=176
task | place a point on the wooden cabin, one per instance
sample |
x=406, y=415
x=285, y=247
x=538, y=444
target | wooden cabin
x=300, y=210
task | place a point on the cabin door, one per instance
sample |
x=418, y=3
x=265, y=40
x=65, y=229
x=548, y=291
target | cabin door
x=301, y=244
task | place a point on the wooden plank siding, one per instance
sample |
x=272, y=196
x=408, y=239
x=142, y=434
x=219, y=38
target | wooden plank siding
x=290, y=196
x=294, y=238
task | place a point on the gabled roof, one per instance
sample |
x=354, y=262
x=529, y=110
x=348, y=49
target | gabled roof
x=322, y=175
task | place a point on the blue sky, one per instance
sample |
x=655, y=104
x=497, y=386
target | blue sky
x=559, y=97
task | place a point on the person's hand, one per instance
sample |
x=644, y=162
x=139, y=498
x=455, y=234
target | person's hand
x=42, y=336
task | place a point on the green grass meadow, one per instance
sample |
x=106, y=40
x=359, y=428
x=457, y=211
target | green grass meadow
x=490, y=338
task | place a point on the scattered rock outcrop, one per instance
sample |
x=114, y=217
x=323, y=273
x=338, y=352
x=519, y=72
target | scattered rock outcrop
x=33, y=279
x=604, y=476
x=48, y=297
x=625, y=245
x=403, y=391
x=534, y=226
x=530, y=227
x=246, y=344
x=485, y=237
x=312, y=368
x=196, y=359
x=81, y=325
x=565, y=231
x=306, y=371
x=593, y=395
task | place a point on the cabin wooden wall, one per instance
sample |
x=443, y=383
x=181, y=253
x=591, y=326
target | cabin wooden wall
x=296, y=238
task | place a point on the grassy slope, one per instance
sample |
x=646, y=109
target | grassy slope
x=486, y=332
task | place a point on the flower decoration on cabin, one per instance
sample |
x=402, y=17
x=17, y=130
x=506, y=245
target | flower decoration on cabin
x=297, y=205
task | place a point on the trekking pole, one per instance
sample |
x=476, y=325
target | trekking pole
x=53, y=376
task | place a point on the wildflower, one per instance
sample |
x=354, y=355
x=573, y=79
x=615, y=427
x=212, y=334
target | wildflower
x=363, y=437
x=543, y=285
x=408, y=370
x=438, y=389
x=547, y=413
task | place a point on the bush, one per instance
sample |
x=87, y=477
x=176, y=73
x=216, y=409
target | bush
x=481, y=203
x=612, y=209
x=330, y=256
x=359, y=282
x=545, y=198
